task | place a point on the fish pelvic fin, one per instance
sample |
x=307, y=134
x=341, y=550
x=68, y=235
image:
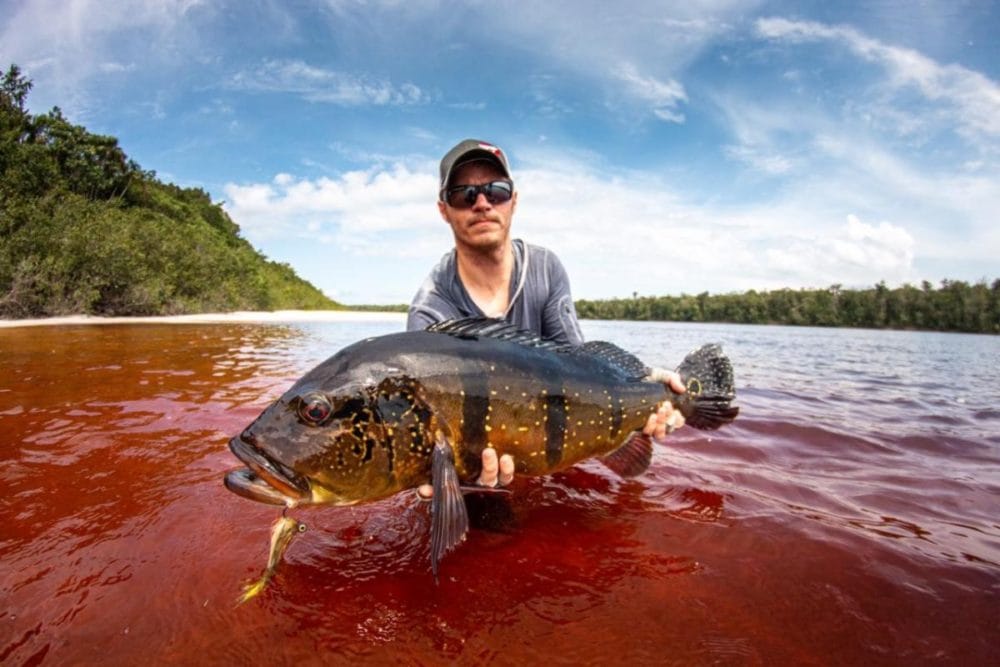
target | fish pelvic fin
x=633, y=457
x=449, y=518
x=708, y=376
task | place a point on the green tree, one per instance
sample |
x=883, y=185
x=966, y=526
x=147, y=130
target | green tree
x=83, y=229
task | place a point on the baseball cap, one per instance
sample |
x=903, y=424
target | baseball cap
x=469, y=150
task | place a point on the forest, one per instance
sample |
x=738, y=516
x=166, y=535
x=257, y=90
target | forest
x=953, y=306
x=85, y=230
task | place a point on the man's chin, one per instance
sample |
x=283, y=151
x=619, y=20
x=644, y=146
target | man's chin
x=485, y=237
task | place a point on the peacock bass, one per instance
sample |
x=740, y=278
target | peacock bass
x=393, y=412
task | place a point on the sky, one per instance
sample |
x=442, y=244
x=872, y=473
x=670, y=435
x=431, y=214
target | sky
x=659, y=148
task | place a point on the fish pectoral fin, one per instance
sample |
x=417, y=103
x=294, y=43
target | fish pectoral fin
x=633, y=457
x=449, y=518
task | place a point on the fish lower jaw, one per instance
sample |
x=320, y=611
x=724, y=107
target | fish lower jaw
x=323, y=496
x=261, y=470
x=246, y=483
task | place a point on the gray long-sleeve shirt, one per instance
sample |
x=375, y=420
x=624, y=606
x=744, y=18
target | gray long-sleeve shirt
x=540, y=299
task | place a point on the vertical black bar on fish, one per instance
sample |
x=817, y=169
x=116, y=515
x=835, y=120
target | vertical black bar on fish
x=555, y=427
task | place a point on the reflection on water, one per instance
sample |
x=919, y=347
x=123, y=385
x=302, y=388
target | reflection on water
x=848, y=516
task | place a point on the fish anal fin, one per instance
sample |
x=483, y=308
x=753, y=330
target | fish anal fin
x=449, y=518
x=633, y=457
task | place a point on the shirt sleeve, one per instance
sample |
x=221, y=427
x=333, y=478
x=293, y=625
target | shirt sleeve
x=430, y=304
x=559, y=320
x=429, y=308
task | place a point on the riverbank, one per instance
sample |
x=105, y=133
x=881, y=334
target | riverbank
x=208, y=318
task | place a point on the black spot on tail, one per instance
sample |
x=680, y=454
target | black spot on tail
x=708, y=376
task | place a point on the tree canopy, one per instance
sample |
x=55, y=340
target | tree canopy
x=954, y=306
x=85, y=230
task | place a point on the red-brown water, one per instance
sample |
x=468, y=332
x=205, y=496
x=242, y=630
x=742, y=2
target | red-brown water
x=850, y=516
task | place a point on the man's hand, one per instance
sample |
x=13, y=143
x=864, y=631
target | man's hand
x=495, y=472
x=665, y=420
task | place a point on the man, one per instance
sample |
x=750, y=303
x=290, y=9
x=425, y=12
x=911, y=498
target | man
x=489, y=274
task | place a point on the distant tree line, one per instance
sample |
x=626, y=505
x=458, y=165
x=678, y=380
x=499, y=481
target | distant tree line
x=954, y=306
x=85, y=230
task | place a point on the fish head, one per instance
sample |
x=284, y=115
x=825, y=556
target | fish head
x=314, y=445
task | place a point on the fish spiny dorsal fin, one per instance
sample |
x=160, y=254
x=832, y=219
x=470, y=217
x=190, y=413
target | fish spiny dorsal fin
x=627, y=363
x=485, y=327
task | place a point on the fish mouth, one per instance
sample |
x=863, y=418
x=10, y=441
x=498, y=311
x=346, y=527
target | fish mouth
x=264, y=479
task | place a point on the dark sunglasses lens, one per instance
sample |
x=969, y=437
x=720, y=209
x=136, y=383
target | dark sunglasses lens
x=464, y=196
x=497, y=192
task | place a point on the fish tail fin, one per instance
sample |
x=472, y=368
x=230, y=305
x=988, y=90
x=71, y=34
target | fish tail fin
x=708, y=376
x=253, y=590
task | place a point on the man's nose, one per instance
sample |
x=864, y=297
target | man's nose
x=481, y=202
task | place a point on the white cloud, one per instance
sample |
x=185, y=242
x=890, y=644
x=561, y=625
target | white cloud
x=655, y=240
x=883, y=252
x=63, y=45
x=655, y=40
x=826, y=160
x=663, y=96
x=355, y=211
x=760, y=160
x=973, y=99
x=651, y=239
x=113, y=67
x=321, y=85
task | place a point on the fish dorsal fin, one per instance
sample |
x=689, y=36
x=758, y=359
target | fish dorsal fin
x=487, y=327
x=627, y=363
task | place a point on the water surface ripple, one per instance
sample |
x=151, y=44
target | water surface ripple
x=850, y=515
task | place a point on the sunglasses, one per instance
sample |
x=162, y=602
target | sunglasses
x=465, y=196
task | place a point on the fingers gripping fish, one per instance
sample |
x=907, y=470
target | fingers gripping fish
x=394, y=412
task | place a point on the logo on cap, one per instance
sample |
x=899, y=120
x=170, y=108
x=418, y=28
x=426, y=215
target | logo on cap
x=493, y=149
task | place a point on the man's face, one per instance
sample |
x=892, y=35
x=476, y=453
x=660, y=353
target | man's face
x=483, y=226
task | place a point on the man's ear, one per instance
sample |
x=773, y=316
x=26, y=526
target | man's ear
x=441, y=210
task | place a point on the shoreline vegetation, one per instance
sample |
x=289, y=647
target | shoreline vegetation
x=955, y=306
x=85, y=232
x=966, y=308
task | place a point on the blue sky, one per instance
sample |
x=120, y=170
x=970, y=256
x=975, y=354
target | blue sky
x=658, y=147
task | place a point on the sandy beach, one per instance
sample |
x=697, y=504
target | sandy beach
x=208, y=318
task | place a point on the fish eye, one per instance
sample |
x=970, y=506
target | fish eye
x=315, y=409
